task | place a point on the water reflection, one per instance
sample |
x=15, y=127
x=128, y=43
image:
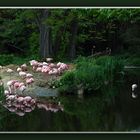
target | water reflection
x=48, y=106
x=22, y=105
x=19, y=105
x=113, y=109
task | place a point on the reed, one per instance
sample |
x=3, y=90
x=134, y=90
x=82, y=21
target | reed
x=92, y=73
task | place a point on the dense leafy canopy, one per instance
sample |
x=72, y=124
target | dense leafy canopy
x=66, y=33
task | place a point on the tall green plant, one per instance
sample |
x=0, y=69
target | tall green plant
x=93, y=74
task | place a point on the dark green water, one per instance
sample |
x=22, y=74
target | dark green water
x=94, y=112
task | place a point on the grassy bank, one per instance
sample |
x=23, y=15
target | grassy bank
x=92, y=74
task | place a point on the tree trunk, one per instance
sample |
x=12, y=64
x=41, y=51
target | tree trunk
x=45, y=34
x=74, y=29
x=57, y=41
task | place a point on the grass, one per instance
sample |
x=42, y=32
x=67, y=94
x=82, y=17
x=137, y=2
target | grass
x=92, y=74
x=130, y=59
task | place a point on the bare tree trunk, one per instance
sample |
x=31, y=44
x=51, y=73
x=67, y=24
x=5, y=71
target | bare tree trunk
x=45, y=33
x=74, y=29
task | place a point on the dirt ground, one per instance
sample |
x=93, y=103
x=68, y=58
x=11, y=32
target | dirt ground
x=41, y=79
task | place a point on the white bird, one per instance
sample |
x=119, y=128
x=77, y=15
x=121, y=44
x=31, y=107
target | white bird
x=24, y=67
x=6, y=92
x=11, y=97
x=134, y=86
x=134, y=95
x=1, y=83
x=9, y=71
x=59, y=64
x=49, y=59
x=39, y=69
x=28, y=75
x=22, y=74
x=44, y=63
x=19, y=69
x=0, y=68
x=10, y=85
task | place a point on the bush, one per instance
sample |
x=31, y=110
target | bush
x=6, y=59
x=67, y=82
x=11, y=59
x=92, y=74
x=111, y=65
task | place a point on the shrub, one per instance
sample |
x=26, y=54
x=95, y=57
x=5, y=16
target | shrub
x=92, y=74
x=67, y=82
x=6, y=59
x=11, y=59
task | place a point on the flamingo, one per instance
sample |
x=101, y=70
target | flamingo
x=22, y=88
x=11, y=98
x=6, y=92
x=1, y=68
x=39, y=69
x=49, y=59
x=24, y=67
x=22, y=74
x=19, y=69
x=27, y=100
x=10, y=85
x=28, y=75
x=45, y=64
x=10, y=71
x=29, y=81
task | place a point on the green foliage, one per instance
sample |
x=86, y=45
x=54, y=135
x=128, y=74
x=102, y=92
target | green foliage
x=11, y=59
x=130, y=59
x=34, y=43
x=20, y=29
x=92, y=74
x=133, y=61
x=67, y=82
x=89, y=75
x=111, y=66
x=6, y=59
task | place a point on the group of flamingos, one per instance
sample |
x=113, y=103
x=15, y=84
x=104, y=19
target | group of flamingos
x=27, y=80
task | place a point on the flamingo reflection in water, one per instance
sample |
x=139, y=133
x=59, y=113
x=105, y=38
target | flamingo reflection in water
x=22, y=105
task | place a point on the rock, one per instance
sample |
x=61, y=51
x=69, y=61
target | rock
x=39, y=92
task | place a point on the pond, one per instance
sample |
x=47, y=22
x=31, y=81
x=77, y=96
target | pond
x=71, y=113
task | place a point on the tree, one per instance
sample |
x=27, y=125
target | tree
x=45, y=33
x=73, y=31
